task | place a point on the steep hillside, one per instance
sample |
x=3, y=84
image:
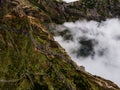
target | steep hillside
x=30, y=59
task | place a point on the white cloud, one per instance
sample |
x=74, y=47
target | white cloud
x=107, y=35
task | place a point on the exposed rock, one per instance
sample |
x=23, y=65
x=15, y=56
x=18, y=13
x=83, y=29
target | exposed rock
x=87, y=48
x=92, y=9
x=30, y=59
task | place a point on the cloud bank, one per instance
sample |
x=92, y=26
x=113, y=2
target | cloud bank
x=95, y=45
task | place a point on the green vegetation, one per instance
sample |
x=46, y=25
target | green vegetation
x=34, y=2
x=30, y=59
x=27, y=67
x=89, y=3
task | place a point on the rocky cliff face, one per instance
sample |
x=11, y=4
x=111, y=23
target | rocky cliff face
x=92, y=9
x=30, y=59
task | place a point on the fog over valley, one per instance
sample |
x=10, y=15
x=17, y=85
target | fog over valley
x=95, y=45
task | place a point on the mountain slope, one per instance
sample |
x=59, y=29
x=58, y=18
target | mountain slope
x=30, y=59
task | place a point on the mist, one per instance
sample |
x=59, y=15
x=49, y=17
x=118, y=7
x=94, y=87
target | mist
x=94, y=45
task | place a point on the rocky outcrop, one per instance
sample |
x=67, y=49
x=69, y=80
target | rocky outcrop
x=30, y=59
x=92, y=9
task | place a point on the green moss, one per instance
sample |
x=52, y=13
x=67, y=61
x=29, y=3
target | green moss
x=41, y=40
x=24, y=85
